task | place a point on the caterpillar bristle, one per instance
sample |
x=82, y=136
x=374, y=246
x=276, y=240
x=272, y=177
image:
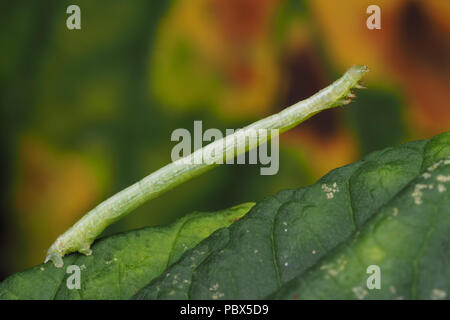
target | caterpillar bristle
x=346, y=101
x=360, y=86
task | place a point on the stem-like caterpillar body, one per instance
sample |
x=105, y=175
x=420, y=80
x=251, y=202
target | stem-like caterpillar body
x=81, y=235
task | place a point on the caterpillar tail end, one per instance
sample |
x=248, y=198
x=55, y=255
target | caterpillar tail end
x=58, y=250
x=56, y=258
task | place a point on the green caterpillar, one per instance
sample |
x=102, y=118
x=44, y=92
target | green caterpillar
x=81, y=235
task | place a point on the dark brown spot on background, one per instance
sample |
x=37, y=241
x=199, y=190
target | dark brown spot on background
x=422, y=39
x=304, y=76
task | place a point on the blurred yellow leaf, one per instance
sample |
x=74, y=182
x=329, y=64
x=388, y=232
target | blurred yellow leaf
x=53, y=189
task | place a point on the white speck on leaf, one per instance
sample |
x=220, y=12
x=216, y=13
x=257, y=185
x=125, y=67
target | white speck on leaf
x=395, y=213
x=442, y=178
x=217, y=295
x=330, y=191
x=214, y=287
x=438, y=294
x=360, y=292
x=417, y=193
x=435, y=165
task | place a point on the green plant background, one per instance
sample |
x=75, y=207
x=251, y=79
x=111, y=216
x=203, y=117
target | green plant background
x=86, y=113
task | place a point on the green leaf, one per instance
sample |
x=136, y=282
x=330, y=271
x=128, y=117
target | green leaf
x=121, y=264
x=391, y=209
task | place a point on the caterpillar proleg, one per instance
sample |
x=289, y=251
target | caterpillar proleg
x=81, y=235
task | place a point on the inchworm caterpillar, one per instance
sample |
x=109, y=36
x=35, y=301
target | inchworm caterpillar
x=81, y=235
